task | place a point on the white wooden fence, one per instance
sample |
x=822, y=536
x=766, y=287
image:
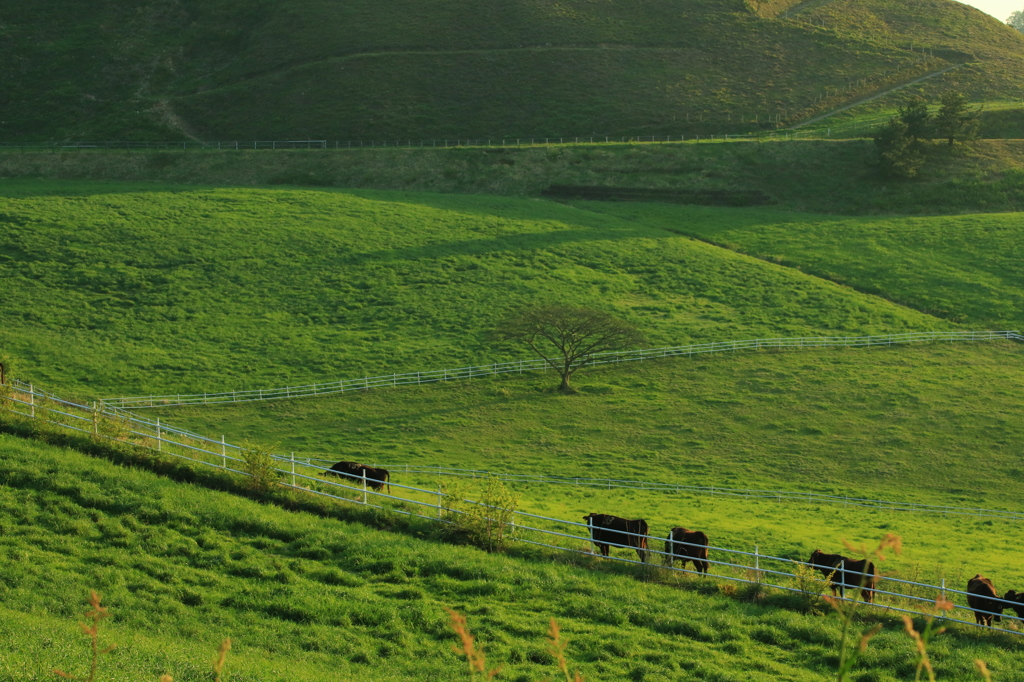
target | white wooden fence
x=533, y=365
x=755, y=568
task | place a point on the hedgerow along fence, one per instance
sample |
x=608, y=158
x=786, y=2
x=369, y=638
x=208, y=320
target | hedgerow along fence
x=559, y=535
x=521, y=366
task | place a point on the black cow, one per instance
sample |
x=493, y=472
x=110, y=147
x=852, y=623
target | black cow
x=607, y=530
x=352, y=472
x=847, y=573
x=982, y=596
x=687, y=545
x=1018, y=602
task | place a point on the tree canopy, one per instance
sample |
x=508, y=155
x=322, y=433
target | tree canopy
x=954, y=121
x=1016, y=20
x=567, y=337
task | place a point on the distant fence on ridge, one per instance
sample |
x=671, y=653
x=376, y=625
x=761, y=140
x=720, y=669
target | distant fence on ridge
x=520, y=366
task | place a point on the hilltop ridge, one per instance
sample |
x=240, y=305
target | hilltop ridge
x=436, y=68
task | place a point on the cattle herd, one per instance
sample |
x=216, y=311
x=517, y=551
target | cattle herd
x=841, y=572
x=982, y=597
x=686, y=545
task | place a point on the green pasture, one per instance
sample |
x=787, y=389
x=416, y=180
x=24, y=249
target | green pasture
x=304, y=597
x=905, y=423
x=962, y=268
x=126, y=289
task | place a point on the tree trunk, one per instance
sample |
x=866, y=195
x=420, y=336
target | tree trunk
x=565, y=383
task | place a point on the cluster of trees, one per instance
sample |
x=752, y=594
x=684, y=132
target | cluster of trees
x=1016, y=21
x=901, y=141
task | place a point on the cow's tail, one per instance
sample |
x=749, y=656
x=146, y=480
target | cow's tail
x=387, y=480
x=670, y=551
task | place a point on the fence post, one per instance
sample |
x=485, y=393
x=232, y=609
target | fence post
x=159, y=441
x=32, y=400
x=364, y=484
x=757, y=565
x=293, y=469
x=439, y=497
x=95, y=419
x=223, y=453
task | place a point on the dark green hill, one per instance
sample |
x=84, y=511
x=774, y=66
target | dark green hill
x=439, y=68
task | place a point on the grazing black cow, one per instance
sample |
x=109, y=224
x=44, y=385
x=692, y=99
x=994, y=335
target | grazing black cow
x=687, y=545
x=1018, y=602
x=606, y=530
x=352, y=472
x=982, y=596
x=847, y=573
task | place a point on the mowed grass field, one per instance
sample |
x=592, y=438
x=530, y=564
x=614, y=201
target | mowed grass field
x=307, y=598
x=113, y=289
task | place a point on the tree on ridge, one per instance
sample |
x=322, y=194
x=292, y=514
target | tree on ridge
x=1016, y=21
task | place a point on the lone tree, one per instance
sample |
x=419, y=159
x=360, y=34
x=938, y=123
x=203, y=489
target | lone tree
x=566, y=337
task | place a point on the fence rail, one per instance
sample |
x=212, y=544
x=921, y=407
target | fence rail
x=520, y=366
x=655, y=486
x=755, y=568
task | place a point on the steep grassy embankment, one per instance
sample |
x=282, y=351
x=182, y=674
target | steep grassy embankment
x=957, y=32
x=818, y=176
x=116, y=289
x=304, y=597
x=221, y=69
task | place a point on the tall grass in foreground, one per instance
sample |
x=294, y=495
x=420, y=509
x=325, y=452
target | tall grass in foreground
x=477, y=660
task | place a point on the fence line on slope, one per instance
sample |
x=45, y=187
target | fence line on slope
x=656, y=486
x=753, y=568
x=781, y=134
x=520, y=366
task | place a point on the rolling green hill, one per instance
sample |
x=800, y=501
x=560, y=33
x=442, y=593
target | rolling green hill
x=956, y=267
x=115, y=289
x=286, y=69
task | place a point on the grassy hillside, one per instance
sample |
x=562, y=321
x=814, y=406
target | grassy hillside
x=961, y=268
x=957, y=32
x=817, y=176
x=126, y=289
x=905, y=422
x=287, y=69
x=305, y=597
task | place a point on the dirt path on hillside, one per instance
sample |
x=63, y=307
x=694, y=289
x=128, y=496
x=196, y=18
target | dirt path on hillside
x=875, y=96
